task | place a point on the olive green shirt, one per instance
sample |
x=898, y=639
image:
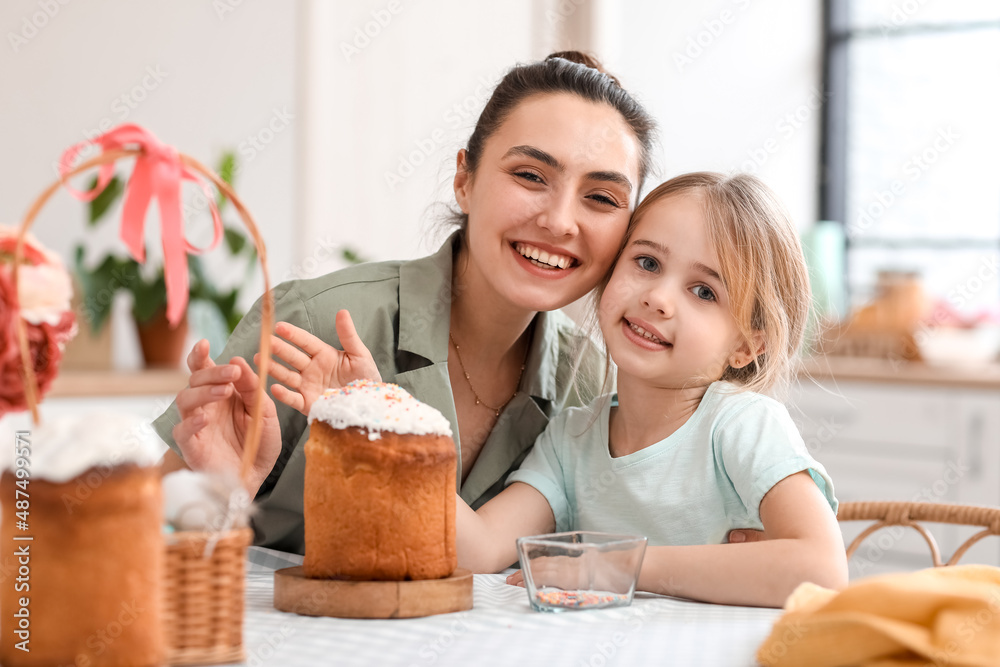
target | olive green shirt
x=401, y=311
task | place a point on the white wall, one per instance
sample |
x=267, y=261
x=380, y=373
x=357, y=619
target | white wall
x=735, y=84
x=383, y=87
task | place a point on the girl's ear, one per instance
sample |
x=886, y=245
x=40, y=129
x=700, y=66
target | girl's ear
x=463, y=181
x=748, y=351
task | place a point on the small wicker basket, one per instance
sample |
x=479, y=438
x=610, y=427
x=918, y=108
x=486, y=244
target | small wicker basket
x=204, y=573
x=203, y=598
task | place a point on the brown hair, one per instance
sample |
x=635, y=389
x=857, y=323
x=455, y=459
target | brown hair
x=563, y=72
x=762, y=266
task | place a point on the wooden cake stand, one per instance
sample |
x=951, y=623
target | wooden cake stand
x=297, y=593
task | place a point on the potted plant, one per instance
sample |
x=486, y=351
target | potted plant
x=161, y=345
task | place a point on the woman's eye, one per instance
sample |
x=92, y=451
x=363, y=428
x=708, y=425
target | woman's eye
x=529, y=176
x=704, y=292
x=604, y=199
x=647, y=263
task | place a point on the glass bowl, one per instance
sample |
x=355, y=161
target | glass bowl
x=580, y=569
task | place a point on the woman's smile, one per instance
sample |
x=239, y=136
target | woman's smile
x=545, y=261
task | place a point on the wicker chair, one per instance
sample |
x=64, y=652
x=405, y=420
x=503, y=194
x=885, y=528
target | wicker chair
x=886, y=514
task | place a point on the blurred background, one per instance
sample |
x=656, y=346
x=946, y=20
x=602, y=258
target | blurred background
x=874, y=120
x=344, y=119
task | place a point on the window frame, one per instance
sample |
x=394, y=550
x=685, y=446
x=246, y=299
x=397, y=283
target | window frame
x=837, y=38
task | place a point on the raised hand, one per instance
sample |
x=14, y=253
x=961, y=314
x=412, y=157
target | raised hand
x=313, y=366
x=215, y=411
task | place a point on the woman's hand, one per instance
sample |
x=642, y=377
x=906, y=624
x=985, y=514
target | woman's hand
x=313, y=366
x=741, y=535
x=215, y=411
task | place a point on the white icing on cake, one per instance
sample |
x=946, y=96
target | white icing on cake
x=376, y=407
x=66, y=447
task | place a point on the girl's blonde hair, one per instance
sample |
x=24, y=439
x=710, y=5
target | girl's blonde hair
x=761, y=263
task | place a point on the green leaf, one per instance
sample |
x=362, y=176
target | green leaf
x=227, y=166
x=100, y=286
x=226, y=171
x=102, y=202
x=197, y=271
x=351, y=256
x=235, y=240
x=148, y=297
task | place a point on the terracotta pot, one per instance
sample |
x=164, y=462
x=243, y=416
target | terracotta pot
x=162, y=347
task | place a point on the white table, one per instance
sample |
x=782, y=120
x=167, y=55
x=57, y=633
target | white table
x=501, y=629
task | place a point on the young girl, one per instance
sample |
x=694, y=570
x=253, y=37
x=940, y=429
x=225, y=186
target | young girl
x=702, y=313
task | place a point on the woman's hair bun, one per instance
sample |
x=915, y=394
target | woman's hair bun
x=584, y=59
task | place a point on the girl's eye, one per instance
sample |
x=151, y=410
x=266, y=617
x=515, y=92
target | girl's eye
x=647, y=263
x=529, y=176
x=704, y=292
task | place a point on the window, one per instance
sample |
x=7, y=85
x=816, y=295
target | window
x=911, y=155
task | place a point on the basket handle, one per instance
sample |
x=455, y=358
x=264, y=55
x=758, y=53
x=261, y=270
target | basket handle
x=252, y=443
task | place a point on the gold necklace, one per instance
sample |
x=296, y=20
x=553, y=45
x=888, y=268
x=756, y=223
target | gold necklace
x=480, y=401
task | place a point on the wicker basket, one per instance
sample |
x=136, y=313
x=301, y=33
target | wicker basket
x=203, y=598
x=204, y=573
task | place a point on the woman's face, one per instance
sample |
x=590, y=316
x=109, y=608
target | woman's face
x=550, y=200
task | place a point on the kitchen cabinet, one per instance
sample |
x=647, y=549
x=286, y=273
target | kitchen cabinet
x=904, y=441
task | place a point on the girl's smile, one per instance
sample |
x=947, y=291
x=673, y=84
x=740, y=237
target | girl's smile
x=645, y=335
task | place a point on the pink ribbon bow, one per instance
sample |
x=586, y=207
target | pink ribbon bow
x=157, y=174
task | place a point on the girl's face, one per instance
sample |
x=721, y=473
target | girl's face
x=550, y=200
x=665, y=312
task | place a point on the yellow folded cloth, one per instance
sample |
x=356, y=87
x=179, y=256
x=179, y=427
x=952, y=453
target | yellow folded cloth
x=939, y=616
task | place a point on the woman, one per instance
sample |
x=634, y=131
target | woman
x=546, y=185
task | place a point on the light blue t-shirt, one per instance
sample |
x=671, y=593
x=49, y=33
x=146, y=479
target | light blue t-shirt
x=693, y=487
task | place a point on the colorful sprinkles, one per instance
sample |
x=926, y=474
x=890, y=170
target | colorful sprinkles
x=390, y=393
x=378, y=406
x=578, y=599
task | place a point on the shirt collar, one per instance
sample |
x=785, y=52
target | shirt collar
x=425, y=295
x=425, y=303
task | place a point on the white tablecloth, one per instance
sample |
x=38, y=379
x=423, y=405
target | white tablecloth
x=501, y=629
